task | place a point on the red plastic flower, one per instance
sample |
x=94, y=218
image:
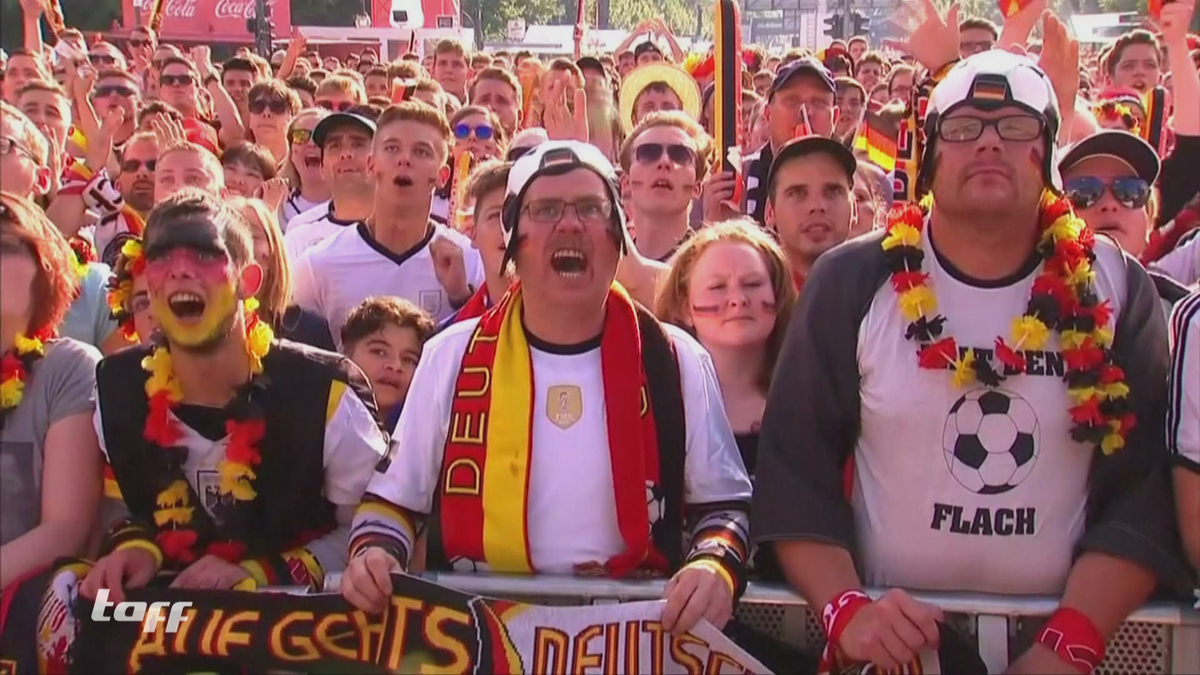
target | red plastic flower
x=1009, y=357
x=160, y=428
x=1088, y=412
x=938, y=355
x=1087, y=357
x=243, y=441
x=905, y=281
x=229, y=551
x=177, y=544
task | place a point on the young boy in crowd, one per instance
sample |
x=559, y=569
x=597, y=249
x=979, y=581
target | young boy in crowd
x=383, y=336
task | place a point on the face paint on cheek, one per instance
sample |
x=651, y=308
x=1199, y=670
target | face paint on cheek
x=209, y=269
x=706, y=310
x=203, y=330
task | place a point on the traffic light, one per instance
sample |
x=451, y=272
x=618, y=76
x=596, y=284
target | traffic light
x=862, y=23
x=262, y=28
x=833, y=26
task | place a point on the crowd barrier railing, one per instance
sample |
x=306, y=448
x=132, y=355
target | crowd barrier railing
x=1161, y=637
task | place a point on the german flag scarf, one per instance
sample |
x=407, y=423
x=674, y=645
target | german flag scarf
x=485, y=480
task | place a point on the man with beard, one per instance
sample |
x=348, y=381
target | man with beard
x=345, y=143
x=997, y=308
x=398, y=250
x=664, y=161
x=238, y=458
x=810, y=199
x=595, y=422
x=1134, y=62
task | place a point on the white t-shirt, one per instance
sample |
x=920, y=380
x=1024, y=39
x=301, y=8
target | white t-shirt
x=332, y=278
x=1183, y=263
x=572, y=516
x=1183, y=406
x=294, y=206
x=310, y=228
x=950, y=481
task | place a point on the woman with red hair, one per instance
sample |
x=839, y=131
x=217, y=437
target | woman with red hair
x=50, y=469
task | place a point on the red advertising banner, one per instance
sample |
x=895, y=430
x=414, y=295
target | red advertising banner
x=413, y=13
x=209, y=20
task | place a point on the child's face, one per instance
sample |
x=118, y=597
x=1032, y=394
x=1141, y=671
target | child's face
x=388, y=358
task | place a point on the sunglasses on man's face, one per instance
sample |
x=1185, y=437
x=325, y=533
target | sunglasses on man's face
x=102, y=59
x=340, y=106
x=483, y=132
x=260, y=105
x=649, y=153
x=107, y=90
x=176, y=80
x=1130, y=192
x=135, y=165
x=138, y=43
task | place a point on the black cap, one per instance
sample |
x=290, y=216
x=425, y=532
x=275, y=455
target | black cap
x=338, y=119
x=647, y=46
x=590, y=63
x=1120, y=145
x=806, y=145
x=806, y=65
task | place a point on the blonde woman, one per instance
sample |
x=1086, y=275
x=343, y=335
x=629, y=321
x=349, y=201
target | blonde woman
x=302, y=168
x=275, y=297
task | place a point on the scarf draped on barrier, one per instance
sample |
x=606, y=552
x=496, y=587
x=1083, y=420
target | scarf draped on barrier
x=485, y=482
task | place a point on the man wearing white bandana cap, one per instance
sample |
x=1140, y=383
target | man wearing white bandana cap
x=971, y=400
x=566, y=431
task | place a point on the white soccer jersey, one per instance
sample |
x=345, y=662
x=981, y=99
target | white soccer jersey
x=1183, y=407
x=293, y=207
x=311, y=228
x=333, y=277
x=572, y=516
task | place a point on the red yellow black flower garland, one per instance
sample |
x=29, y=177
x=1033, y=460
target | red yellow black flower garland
x=173, y=515
x=1109, y=111
x=16, y=364
x=1062, y=299
x=84, y=253
x=129, y=266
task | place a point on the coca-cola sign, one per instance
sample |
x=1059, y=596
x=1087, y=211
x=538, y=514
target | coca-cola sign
x=210, y=20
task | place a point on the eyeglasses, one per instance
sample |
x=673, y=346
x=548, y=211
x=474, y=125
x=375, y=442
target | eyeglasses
x=1130, y=192
x=817, y=105
x=138, y=42
x=260, y=105
x=340, y=106
x=649, y=153
x=176, y=80
x=102, y=59
x=551, y=211
x=9, y=145
x=300, y=136
x=463, y=131
x=135, y=165
x=107, y=90
x=518, y=152
x=1010, y=128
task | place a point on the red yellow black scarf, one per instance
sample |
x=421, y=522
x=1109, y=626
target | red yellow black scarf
x=485, y=478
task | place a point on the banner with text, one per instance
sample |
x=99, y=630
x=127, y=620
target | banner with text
x=209, y=20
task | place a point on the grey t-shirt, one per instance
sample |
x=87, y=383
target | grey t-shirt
x=89, y=318
x=62, y=384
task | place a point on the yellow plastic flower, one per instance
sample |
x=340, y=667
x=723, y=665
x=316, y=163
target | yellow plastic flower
x=11, y=392
x=258, y=343
x=901, y=235
x=28, y=345
x=235, y=480
x=162, y=378
x=917, y=302
x=1081, y=394
x=1082, y=274
x=1115, y=390
x=926, y=202
x=176, y=494
x=119, y=296
x=1103, y=336
x=1072, y=339
x=1111, y=443
x=1066, y=227
x=181, y=516
x=964, y=371
x=251, y=304
x=1029, y=332
x=132, y=249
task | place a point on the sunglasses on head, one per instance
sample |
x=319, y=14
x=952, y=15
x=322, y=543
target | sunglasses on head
x=260, y=105
x=110, y=89
x=341, y=106
x=135, y=165
x=176, y=80
x=463, y=131
x=648, y=153
x=299, y=136
x=1130, y=192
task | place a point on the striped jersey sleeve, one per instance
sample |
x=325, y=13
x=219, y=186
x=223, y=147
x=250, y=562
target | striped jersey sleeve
x=1183, y=406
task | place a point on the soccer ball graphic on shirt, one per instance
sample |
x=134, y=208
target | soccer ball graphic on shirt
x=654, y=503
x=990, y=441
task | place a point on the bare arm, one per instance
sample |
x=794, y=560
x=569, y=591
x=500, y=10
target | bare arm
x=70, y=499
x=1175, y=18
x=1187, y=506
x=232, y=130
x=1107, y=589
x=31, y=11
x=295, y=48
x=816, y=570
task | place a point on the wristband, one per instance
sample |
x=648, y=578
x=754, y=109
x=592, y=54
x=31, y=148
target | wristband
x=838, y=613
x=1074, y=638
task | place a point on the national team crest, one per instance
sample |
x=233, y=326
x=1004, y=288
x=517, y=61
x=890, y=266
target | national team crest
x=564, y=405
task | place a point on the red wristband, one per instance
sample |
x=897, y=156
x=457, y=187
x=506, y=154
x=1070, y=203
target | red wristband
x=1074, y=638
x=838, y=613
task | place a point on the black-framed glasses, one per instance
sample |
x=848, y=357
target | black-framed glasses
x=300, y=136
x=185, y=80
x=135, y=165
x=463, y=131
x=260, y=105
x=649, y=153
x=9, y=145
x=340, y=106
x=101, y=59
x=551, y=211
x=518, y=152
x=1130, y=192
x=966, y=128
x=104, y=91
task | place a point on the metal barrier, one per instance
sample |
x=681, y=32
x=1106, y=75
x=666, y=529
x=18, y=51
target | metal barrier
x=1158, y=638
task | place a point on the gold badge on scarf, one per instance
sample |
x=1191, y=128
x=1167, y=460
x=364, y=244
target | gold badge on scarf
x=564, y=405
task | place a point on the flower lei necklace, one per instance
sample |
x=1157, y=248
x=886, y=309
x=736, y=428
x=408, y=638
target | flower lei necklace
x=1063, y=299
x=173, y=516
x=16, y=364
x=130, y=264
